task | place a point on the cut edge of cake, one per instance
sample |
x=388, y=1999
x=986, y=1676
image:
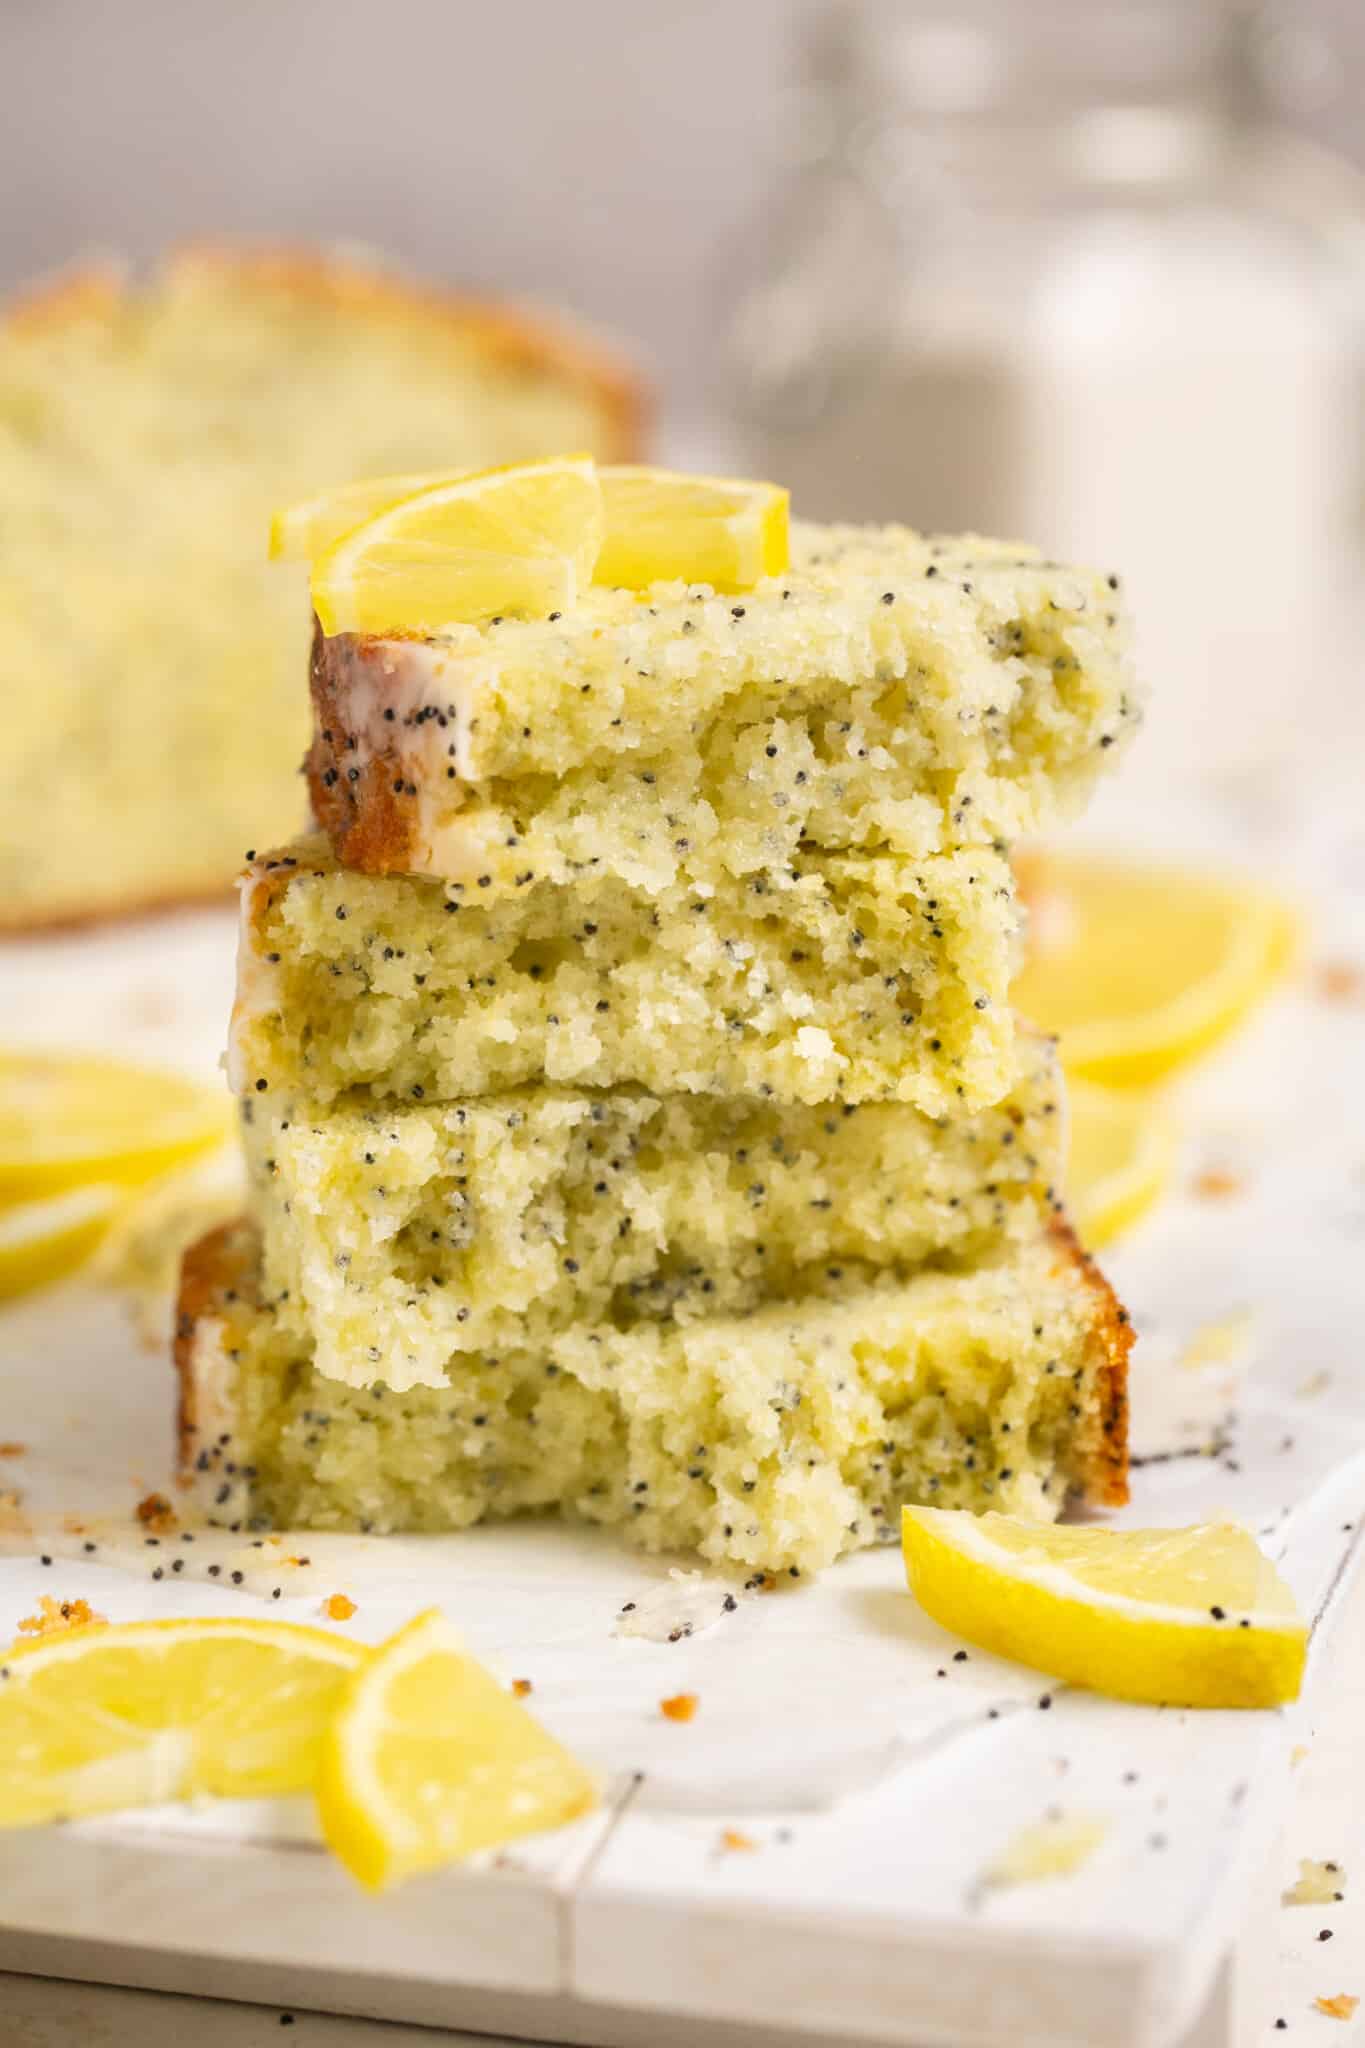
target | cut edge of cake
x=219, y=1307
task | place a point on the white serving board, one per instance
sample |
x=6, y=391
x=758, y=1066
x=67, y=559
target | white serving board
x=874, y=1790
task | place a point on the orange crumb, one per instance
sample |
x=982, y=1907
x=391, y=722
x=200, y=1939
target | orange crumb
x=1298, y=1753
x=521, y=1686
x=298, y=1560
x=1215, y=1184
x=681, y=1707
x=1339, y=981
x=73, y=1525
x=12, y=1450
x=59, y=1617
x=338, y=1607
x=731, y=1838
x=1342, y=2007
x=154, y=1511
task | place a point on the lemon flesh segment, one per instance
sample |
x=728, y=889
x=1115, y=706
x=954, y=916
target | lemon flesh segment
x=516, y=541
x=304, y=531
x=1139, y=968
x=68, y=1121
x=1122, y=1148
x=429, y=1759
x=661, y=525
x=108, y=1717
x=45, y=1240
x=1193, y=1617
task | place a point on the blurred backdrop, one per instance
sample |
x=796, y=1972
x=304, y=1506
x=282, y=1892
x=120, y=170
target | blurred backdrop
x=1090, y=272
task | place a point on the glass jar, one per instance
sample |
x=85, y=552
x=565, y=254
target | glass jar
x=1066, y=275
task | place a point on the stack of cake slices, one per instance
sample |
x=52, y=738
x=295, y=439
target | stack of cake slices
x=638, y=1126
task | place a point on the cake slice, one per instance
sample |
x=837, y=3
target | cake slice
x=155, y=713
x=856, y=978
x=773, y=1441
x=887, y=690
x=396, y=1236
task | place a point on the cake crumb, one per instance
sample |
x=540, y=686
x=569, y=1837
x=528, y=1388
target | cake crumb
x=1055, y=1846
x=735, y=1838
x=1340, y=981
x=1218, y=1342
x=680, y=1706
x=61, y=1617
x=338, y=1607
x=13, y=1450
x=521, y=1687
x=1342, y=2007
x=155, y=1512
x=1317, y=1884
x=1216, y=1184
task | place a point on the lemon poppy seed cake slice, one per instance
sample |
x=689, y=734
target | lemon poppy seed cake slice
x=858, y=978
x=773, y=1441
x=154, y=660
x=886, y=689
x=396, y=1236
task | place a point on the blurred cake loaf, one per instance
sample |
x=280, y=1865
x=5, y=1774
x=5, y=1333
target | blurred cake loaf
x=886, y=691
x=774, y=1441
x=155, y=718
x=397, y=1235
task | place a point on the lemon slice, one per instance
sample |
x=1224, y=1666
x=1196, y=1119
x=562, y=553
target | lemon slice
x=659, y=525
x=103, y=1718
x=42, y=1241
x=429, y=1759
x=1139, y=968
x=1122, y=1150
x=1179, y=1617
x=517, y=540
x=65, y=1121
x=302, y=532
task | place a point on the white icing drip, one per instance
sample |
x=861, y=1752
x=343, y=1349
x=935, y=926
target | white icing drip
x=258, y=982
x=407, y=678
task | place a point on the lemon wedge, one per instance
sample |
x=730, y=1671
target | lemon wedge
x=1122, y=1150
x=1179, y=1617
x=43, y=1241
x=659, y=525
x=303, y=532
x=517, y=540
x=1139, y=968
x=102, y=1718
x=429, y=1759
x=422, y=550
x=67, y=1121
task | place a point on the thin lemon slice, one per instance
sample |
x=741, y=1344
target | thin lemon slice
x=660, y=525
x=1122, y=1150
x=303, y=532
x=429, y=1759
x=65, y=1121
x=1139, y=968
x=517, y=540
x=103, y=1718
x=43, y=1241
x=1179, y=1617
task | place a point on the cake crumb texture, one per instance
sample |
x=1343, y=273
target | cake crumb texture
x=772, y=1441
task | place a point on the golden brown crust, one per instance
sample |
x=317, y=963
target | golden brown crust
x=90, y=291
x=515, y=337
x=216, y=1272
x=361, y=803
x=1102, y=1469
